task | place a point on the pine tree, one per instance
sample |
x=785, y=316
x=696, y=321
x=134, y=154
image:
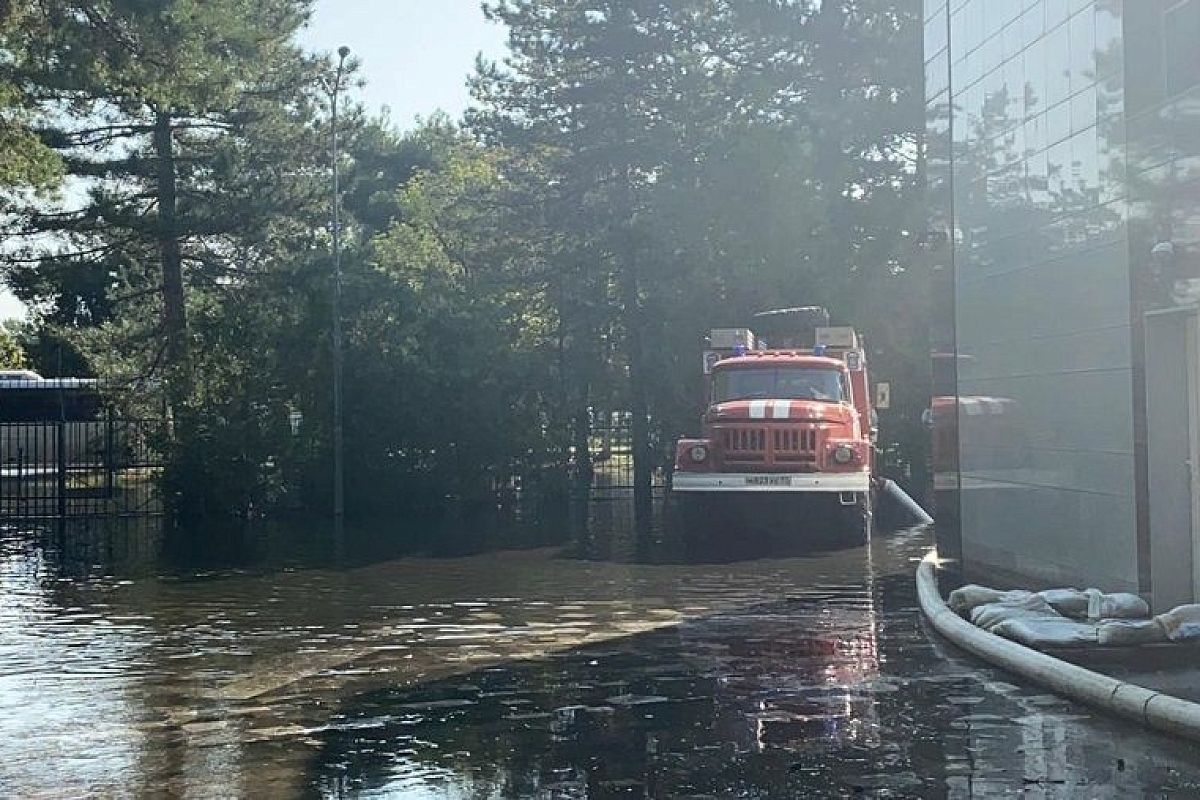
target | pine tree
x=175, y=119
x=596, y=88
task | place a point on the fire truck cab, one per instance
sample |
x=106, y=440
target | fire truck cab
x=793, y=417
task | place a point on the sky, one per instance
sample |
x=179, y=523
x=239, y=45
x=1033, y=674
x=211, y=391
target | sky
x=415, y=54
x=415, y=57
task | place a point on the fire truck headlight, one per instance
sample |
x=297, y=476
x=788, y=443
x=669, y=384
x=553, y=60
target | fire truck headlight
x=699, y=453
x=843, y=454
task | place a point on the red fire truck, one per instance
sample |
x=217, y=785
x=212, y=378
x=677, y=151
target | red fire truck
x=789, y=413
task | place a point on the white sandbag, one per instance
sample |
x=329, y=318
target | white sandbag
x=1182, y=623
x=1116, y=606
x=1027, y=605
x=1118, y=632
x=967, y=598
x=1068, y=602
x=1047, y=631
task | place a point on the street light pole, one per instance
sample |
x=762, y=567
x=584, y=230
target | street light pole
x=339, y=497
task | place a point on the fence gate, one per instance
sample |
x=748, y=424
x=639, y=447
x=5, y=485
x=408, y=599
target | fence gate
x=52, y=470
x=606, y=509
x=611, y=457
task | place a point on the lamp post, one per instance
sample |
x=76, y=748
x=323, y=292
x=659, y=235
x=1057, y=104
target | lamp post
x=339, y=498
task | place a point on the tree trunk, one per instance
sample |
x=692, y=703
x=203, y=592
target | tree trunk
x=643, y=458
x=171, y=262
x=576, y=402
x=629, y=280
x=828, y=140
x=628, y=277
x=581, y=480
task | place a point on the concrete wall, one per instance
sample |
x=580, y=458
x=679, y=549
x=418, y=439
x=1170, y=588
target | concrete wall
x=1170, y=342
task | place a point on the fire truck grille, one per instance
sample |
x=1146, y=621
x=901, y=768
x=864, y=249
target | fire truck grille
x=745, y=440
x=769, y=445
x=794, y=441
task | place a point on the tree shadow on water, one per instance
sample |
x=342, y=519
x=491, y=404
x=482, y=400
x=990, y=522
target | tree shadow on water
x=720, y=530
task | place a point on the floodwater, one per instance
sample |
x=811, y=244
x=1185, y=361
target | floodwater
x=127, y=669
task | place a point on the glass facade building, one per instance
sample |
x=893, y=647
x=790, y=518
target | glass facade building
x=1063, y=163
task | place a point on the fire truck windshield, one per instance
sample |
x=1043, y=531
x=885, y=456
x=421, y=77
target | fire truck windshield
x=785, y=383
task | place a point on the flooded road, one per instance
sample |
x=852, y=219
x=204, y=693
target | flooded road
x=523, y=674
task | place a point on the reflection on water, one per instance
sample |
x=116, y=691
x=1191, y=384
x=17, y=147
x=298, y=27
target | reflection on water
x=286, y=664
x=833, y=691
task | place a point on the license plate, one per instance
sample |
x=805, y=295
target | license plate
x=768, y=480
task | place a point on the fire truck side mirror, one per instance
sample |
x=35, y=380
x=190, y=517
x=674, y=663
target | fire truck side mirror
x=883, y=396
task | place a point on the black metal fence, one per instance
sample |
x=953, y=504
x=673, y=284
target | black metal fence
x=109, y=468
x=62, y=470
x=610, y=459
x=603, y=503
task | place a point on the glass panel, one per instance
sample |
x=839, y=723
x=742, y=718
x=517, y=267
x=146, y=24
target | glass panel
x=1085, y=166
x=1144, y=72
x=1083, y=110
x=1056, y=12
x=1033, y=24
x=937, y=75
x=1058, y=123
x=1108, y=39
x=958, y=36
x=1035, y=135
x=1083, y=46
x=1058, y=83
x=1183, y=47
x=935, y=36
x=1035, y=77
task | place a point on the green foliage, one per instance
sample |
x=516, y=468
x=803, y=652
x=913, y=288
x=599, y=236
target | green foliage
x=634, y=174
x=12, y=355
x=49, y=351
x=447, y=346
x=25, y=161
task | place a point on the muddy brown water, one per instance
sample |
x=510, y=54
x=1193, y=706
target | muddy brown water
x=530, y=673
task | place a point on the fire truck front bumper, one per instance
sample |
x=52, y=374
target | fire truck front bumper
x=820, y=482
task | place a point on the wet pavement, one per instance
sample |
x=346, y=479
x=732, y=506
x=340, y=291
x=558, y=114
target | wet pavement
x=521, y=674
